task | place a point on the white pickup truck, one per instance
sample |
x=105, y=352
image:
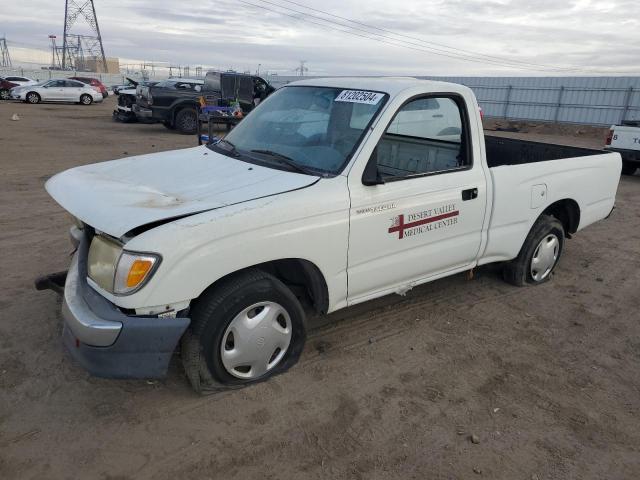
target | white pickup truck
x=625, y=139
x=332, y=192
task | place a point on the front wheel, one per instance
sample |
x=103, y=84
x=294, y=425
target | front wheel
x=629, y=168
x=245, y=330
x=4, y=94
x=539, y=255
x=33, y=98
x=86, y=99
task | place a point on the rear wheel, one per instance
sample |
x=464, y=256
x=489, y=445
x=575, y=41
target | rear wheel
x=33, y=97
x=187, y=121
x=86, y=99
x=4, y=94
x=629, y=168
x=539, y=254
x=243, y=331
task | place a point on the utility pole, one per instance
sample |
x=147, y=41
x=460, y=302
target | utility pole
x=89, y=44
x=5, y=58
x=301, y=69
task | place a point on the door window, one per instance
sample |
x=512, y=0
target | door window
x=427, y=135
x=56, y=83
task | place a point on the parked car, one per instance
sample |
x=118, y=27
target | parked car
x=126, y=99
x=57, y=91
x=95, y=83
x=330, y=193
x=174, y=102
x=5, y=87
x=625, y=139
x=21, y=80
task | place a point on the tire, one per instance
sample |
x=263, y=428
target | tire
x=187, y=121
x=32, y=97
x=4, y=94
x=629, y=168
x=86, y=99
x=539, y=255
x=217, y=330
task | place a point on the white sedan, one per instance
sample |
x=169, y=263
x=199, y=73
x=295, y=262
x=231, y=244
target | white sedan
x=57, y=91
x=21, y=80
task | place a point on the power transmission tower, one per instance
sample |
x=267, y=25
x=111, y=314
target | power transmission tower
x=55, y=54
x=75, y=46
x=4, y=53
x=301, y=69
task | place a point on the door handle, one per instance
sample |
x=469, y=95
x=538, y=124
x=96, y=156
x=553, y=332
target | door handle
x=469, y=194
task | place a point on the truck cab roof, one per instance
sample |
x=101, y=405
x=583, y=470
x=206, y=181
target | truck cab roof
x=390, y=85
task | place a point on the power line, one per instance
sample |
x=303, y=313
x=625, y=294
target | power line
x=427, y=42
x=394, y=42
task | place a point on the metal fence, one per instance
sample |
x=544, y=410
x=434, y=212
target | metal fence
x=582, y=100
x=42, y=75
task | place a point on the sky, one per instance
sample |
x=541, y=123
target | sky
x=438, y=37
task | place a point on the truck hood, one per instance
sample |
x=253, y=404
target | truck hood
x=120, y=195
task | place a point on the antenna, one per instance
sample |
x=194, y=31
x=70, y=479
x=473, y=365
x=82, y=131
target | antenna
x=75, y=46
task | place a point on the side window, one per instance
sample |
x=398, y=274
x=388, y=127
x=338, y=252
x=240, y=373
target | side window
x=56, y=83
x=426, y=136
x=72, y=84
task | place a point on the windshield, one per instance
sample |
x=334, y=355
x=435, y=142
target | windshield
x=309, y=128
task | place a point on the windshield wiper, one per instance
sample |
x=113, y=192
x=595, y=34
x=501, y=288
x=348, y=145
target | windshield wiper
x=287, y=161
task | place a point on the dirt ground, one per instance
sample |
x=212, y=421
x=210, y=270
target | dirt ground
x=546, y=378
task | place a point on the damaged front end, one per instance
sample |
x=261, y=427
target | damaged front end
x=106, y=340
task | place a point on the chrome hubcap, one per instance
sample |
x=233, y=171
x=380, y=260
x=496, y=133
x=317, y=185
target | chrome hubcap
x=256, y=340
x=33, y=98
x=545, y=257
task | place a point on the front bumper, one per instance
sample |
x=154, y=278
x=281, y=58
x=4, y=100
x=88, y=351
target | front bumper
x=105, y=341
x=142, y=112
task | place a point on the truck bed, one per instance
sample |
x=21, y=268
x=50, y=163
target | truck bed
x=512, y=151
x=522, y=186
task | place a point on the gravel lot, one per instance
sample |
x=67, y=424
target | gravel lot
x=546, y=379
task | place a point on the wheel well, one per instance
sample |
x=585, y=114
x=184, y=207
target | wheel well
x=303, y=278
x=567, y=212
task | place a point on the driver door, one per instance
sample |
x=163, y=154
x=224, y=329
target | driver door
x=53, y=91
x=425, y=215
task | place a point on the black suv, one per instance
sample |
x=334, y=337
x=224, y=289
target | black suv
x=174, y=102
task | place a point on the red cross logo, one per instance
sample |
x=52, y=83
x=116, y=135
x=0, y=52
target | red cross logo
x=399, y=225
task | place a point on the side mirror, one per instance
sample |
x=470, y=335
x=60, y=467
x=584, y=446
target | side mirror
x=371, y=175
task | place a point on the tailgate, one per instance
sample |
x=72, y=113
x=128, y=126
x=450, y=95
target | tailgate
x=626, y=138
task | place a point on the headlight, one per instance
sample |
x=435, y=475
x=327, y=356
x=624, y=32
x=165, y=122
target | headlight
x=116, y=270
